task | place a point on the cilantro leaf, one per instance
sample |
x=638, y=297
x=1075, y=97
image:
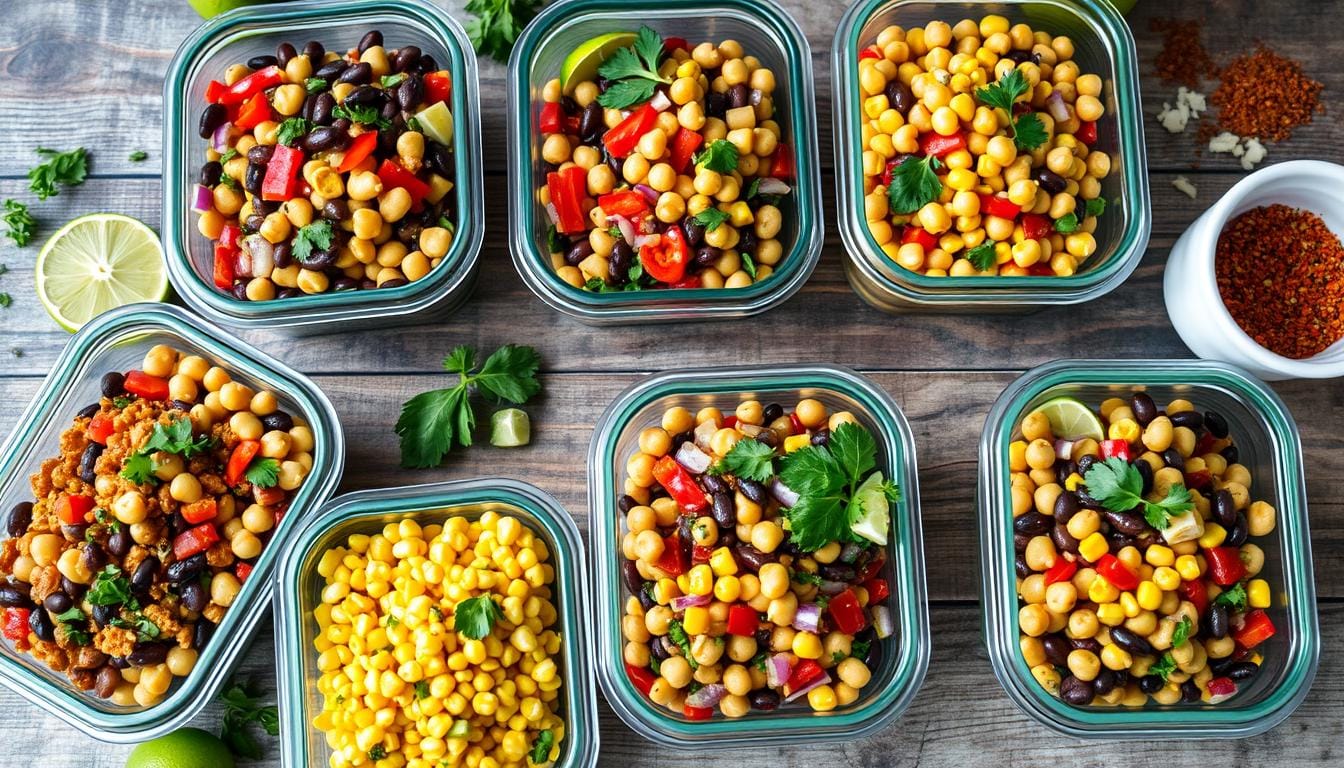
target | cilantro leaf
x=816, y=521
x=541, y=748
x=145, y=630
x=914, y=184
x=1118, y=486
x=75, y=625
x=554, y=242
x=121, y=402
x=263, y=472
x=802, y=577
x=498, y=24
x=138, y=156
x=138, y=468
x=1164, y=666
x=859, y=648
x=315, y=84
x=720, y=156
x=676, y=632
x=476, y=616
x=422, y=689
x=111, y=587
x=633, y=70
x=855, y=450
x=1004, y=93
x=750, y=459
x=1233, y=599
x=1066, y=223
x=6, y=300
x=710, y=218
x=982, y=256
x=510, y=373
x=1182, y=632
x=365, y=114
x=826, y=479
x=812, y=471
x=293, y=129
x=66, y=168
x=627, y=93
x=748, y=265
x=19, y=222
x=392, y=81
x=1096, y=206
x=315, y=236
x=242, y=707
x=1029, y=132
x=175, y=438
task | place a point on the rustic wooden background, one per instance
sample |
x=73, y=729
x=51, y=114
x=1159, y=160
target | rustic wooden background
x=90, y=73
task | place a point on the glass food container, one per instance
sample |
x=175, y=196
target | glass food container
x=1270, y=447
x=117, y=340
x=367, y=512
x=250, y=31
x=905, y=655
x=1104, y=46
x=766, y=31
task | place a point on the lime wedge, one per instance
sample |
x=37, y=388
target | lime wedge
x=510, y=428
x=872, y=519
x=581, y=64
x=436, y=121
x=1071, y=419
x=99, y=262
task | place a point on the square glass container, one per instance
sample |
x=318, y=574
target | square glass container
x=905, y=655
x=117, y=341
x=766, y=31
x=255, y=30
x=300, y=588
x=1270, y=448
x=1104, y=46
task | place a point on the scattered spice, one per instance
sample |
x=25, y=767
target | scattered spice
x=1265, y=95
x=1280, y=273
x=1182, y=60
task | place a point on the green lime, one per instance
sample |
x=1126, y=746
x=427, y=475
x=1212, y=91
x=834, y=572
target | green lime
x=510, y=428
x=874, y=513
x=96, y=263
x=581, y=64
x=210, y=8
x=183, y=748
x=1071, y=419
x=436, y=121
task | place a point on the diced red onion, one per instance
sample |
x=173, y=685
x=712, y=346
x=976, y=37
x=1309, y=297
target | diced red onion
x=660, y=102
x=552, y=213
x=683, y=602
x=755, y=98
x=1058, y=109
x=693, y=459
x=882, y=621
x=1221, y=689
x=263, y=255
x=1063, y=449
x=820, y=681
x=750, y=430
x=850, y=552
x=807, y=618
x=205, y=199
x=773, y=186
x=783, y=494
x=648, y=192
x=777, y=670
x=220, y=140
x=703, y=432
x=626, y=226
x=828, y=587
x=242, y=263
x=706, y=697
x=644, y=240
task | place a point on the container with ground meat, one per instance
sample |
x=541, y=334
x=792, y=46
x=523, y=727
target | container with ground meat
x=142, y=492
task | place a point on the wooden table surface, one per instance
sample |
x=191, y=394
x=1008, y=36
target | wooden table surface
x=90, y=73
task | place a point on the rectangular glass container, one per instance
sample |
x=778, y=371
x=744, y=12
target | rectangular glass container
x=905, y=656
x=117, y=341
x=1270, y=448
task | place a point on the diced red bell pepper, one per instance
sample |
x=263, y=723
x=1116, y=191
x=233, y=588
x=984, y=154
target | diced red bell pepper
x=568, y=208
x=870, y=570
x=1256, y=629
x=199, y=511
x=438, y=86
x=1002, y=207
x=667, y=259
x=673, y=560
x=224, y=274
x=1087, y=132
x=242, y=570
x=1062, y=570
x=796, y=423
x=743, y=620
x=253, y=85
x=362, y=146
x=684, y=145
x=230, y=236
x=1196, y=593
x=691, y=281
x=1199, y=479
x=1117, y=573
x=1220, y=688
x=253, y=112
x=1040, y=269
x=100, y=429
x=1036, y=227
x=393, y=175
x=913, y=234
x=937, y=145
x=700, y=554
x=1116, y=449
x=552, y=118
x=642, y=677
x=870, y=52
x=268, y=496
x=804, y=673
x=214, y=91
x=621, y=140
x=697, y=713
x=680, y=485
x=1225, y=565
x=194, y=541
x=16, y=623
x=146, y=386
x=877, y=590
x=282, y=173
x=671, y=44
x=781, y=165
x=71, y=509
x=729, y=422
x=242, y=455
x=846, y=612
x=625, y=202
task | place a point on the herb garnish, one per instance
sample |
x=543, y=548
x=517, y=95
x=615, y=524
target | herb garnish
x=19, y=222
x=392, y=81
x=498, y=24
x=421, y=689
x=75, y=626
x=1119, y=487
x=803, y=577
x=315, y=84
x=242, y=705
x=111, y=587
x=1096, y=206
x=1067, y=223
x=1028, y=130
x=634, y=71
x=366, y=114
x=914, y=184
x=982, y=256
x=1233, y=599
x=263, y=472
x=315, y=236
x=1182, y=632
x=66, y=168
x=825, y=479
x=750, y=459
x=1163, y=667
x=748, y=265
x=174, y=438
x=541, y=748
x=677, y=634
x=476, y=616
x=293, y=129
x=720, y=156
x=138, y=156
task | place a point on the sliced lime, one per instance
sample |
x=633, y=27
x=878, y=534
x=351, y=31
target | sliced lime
x=872, y=519
x=581, y=64
x=510, y=428
x=436, y=121
x=96, y=263
x=1071, y=419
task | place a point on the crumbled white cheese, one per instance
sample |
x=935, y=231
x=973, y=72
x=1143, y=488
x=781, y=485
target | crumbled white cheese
x=1255, y=152
x=1225, y=142
x=1183, y=184
x=1188, y=106
x=1251, y=151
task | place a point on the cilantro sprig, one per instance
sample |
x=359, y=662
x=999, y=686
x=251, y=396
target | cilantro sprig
x=498, y=24
x=982, y=256
x=65, y=168
x=1096, y=206
x=1182, y=632
x=310, y=237
x=293, y=129
x=474, y=617
x=720, y=156
x=826, y=479
x=263, y=472
x=432, y=421
x=175, y=438
x=1233, y=599
x=541, y=748
x=710, y=218
x=750, y=459
x=111, y=587
x=365, y=114
x=1163, y=667
x=1119, y=487
x=633, y=72
x=1067, y=223
x=242, y=707
x=914, y=184
x=677, y=634
x=19, y=222
x=75, y=625
x=1028, y=130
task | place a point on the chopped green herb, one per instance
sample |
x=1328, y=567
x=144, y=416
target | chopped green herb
x=366, y=114
x=982, y=256
x=414, y=125
x=802, y=577
x=242, y=706
x=710, y=218
x=436, y=612
x=748, y=265
x=750, y=459
x=1233, y=599
x=541, y=748
x=914, y=184
x=19, y=223
x=263, y=472
x=65, y=168
x=1067, y=223
x=392, y=81
x=138, y=156
x=1119, y=487
x=176, y=438
x=422, y=689
x=378, y=752
x=315, y=236
x=633, y=71
x=859, y=649
x=293, y=129
x=314, y=84
x=120, y=402
x=677, y=634
x=615, y=232
x=228, y=155
x=111, y=587
x=1096, y=206
x=5, y=300
x=474, y=617
x=1182, y=632
x=139, y=469
x=1164, y=666
x=720, y=156
x=1029, y=132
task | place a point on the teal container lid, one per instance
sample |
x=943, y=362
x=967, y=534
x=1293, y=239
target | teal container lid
x=117, y=341
x=1270, y=447
x=367, y=512
x=905, y=655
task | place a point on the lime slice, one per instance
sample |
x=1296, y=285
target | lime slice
x=581, y=64
x=873, y=518
x=1071, y=419
x=436, y=121
x=211, y=8
x=510, y=428
x=96, y=263
x=183, y=748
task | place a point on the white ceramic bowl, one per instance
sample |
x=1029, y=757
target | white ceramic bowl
x=1191, y=290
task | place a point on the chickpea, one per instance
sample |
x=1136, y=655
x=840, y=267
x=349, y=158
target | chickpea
x=1040, y=454
x=1084, y=664
x=1060, y=597
x=363, y=185
x=1040, y=553
x=1034, y=620
x=1260, y=518
x=224, y=588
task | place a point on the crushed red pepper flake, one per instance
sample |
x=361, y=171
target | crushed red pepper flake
x=1280, y=273
x=1182, y=60
x=1265, y=95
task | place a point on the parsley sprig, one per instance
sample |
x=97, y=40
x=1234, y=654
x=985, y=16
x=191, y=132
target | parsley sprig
x=65, y=168
x=720, y=156
x=365, y=114
x=1163, y=667
x=633, y=72
x=982, y=256
x=1067, y=223
x=315, y=236
x=1028, y=130
x=1119, y=487
x=710, y=218
x=498, y=24
x=19, y=222
x=825, y=479
x=750, y=459
x=263, y=472
x=914, y=184
x=242, y=707
x=474, y=617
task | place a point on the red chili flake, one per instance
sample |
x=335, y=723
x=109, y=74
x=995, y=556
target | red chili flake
x=1182, y=60
x=1265, y=95
x=1280, y=273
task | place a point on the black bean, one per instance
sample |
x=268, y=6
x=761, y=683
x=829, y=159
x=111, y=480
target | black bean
x=104, y=614
x=1032, y=524
x=1020, y=566
x=75, y=591
x=1057, y=650
x=261, y=153
x=1216, y=424
x=405, y=58
x=41, y=625
x=371, y=38
x=626, y=503
x=630, y=575
x=1173, y=458
x=1187, y=419
x=58, y=603
x=93, y=556
x=1238, y=533
x=1090, y=644
x=88, y=411
x=325, y=137
x=768, y=437
x=764, y=699
x=112, y=384
x=211, y=173
x=1151, y=684
x=410, y=93
x=439, y=158
x=392, y=112
x=202, y=633
x=426, y=64
x=753, y=490
x=1063, y=540
x=837, y=572
x=723, y=511
x=331, y=70
x=1231, y=453
x=1242, y=670
x=1050, y=181
x=323, y=107
x=365, y=96
x=283, y=253
x=20, y=517
x=190, y=568
x=658, y=649
x=147, y=654
x=143, y=578
x=713, y=484
x=1066, y=506
x=1190, y=692
x=752, y=557
x=716, y=104
x=320, y=259
x=108, y=680
x=119, y=543
x=15, y=596
x=618, y=271
x=212, y=117
x=622, y=259
x=591, y=124
x=1020, y=541
x=577, y=252
x=771, y=412
x=1105, y=682
x=194, y=596
x=1086, y=463
x=395, y=282
x=899, y=96
x=1217, y=621
x=1076, y=692
x=1124, y=522
x=1145, y=410
x=256, y=174
x=1225, y=508
x=358, y=74
x=821, y=437
x=284, y=52
x=1146, y=474
x=314, y=51
x=277, y=420
x=739, y=96
x=647, y=602
x=1131, y=641
x=262, y=62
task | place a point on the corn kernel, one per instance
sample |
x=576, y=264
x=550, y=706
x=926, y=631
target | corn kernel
x=794, y=442
x=1073, y=482
x=1158, y=555
x=1129, y=605
x=722, y=562
x=1110, y=614
x=1149, y=596
x=1102, y=591
x=1094, y=547
x=1214, y=534
x=1124, y=429
x=1257, y=593
x=1166, y=578
x=1188, y=567
x=696, y=620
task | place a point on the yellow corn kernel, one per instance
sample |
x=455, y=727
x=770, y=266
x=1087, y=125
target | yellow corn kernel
x=806, y=645
x=1188, y=567
x=1148, y=596
x=722, y=562
x=1094, y=547
x=1129, y=605
x=1073, y=482
x=1124, y=429
x=794, y=442
x=1158, y=555
x=1257, y=593
x=1166, y=578
x=1214, y=534
x=1102, y=591
x=1017, y=456
x=696, y=620
x=664, y=590
x=700, y=581
x=1110, y=614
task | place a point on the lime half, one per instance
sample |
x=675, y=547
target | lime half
x=581, y=64
x=183, y=748
x=1071, y=419
x=510, y=428
x=96, y=263
x=873, y=518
